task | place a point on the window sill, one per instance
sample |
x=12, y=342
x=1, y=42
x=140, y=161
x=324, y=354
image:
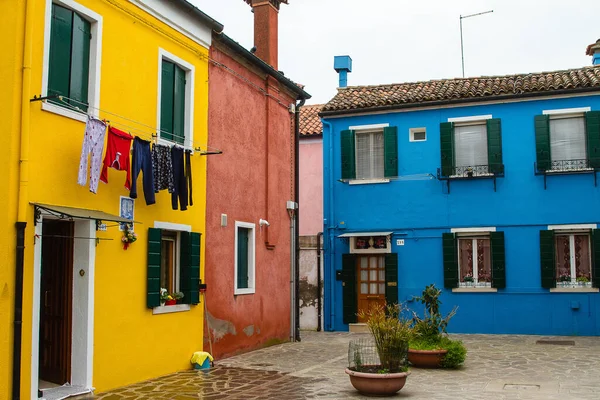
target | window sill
x=367, y=181
x=170, y=309
x=568, y=170
x=65, y=112
x=474, y=290
x=574, y=290
x=244, y=291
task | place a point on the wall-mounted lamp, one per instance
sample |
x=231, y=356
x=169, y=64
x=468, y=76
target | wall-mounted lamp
x=263, y=222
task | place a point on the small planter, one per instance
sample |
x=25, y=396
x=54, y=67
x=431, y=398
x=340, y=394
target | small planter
x=171, y=302
x=426, y=358
x=377, y=384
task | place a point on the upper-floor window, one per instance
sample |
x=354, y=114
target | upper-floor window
x=369, y=153
x=176, y=99
x=471, y=146
x=72, y=58
x=568, y=140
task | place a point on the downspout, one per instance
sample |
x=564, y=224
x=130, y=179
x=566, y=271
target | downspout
x=328, y=224
x=319, y=289
x=22, y=199
x=297, y=226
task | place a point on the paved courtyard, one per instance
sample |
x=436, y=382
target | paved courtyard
x=497, y=367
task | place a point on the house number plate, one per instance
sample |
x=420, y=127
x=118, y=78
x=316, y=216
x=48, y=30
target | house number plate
x=400, y=242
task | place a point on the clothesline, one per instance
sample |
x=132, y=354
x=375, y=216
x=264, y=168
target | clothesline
x=147, y=135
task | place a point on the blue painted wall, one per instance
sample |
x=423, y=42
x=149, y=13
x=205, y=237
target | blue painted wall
x=420, y=211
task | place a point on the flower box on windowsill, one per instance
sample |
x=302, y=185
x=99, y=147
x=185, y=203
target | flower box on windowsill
x=474, y=284
x=573, y=284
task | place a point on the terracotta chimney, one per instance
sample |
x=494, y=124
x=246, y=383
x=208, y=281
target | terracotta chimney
x=266, y=29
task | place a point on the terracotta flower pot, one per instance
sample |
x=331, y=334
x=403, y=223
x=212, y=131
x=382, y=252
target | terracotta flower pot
x=377, y=384
x=426, y=358
x=171, y=302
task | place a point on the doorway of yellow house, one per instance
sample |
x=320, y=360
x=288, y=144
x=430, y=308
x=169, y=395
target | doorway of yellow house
x=56, y=301
x=371, y=282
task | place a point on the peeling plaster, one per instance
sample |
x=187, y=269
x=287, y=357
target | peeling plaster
x=220, y=327
x=249, y=330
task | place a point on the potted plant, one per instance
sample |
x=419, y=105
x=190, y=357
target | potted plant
x=379, y=365
x=468, y=280
x=583, y=281
x=431, y=347
x=564, y=279
x=178, y=296
x=164, y=296
x=129, y=236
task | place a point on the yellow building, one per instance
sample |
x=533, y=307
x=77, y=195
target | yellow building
x=91, y=309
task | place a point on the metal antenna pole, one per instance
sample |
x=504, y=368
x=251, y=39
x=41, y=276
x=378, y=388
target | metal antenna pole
x=462, y=54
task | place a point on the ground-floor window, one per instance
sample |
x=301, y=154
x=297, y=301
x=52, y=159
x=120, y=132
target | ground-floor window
x=573, y=259
x=474, y=261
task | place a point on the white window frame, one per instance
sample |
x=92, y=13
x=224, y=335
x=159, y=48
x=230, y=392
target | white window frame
x=189, y=69
x=175, y=228
x=371, y=133
x=564, y=113
x=412, y=132
x=468, y=121
x=251, y=259
x=474, y=234
x=96, y=22
x=571, y=230
x=362, y=128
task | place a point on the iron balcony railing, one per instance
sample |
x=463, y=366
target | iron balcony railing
x=471, y=171
x=562, y=167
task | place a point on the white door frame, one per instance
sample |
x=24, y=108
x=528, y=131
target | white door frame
x=82, y=332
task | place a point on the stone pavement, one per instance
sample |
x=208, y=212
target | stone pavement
x=497, y=367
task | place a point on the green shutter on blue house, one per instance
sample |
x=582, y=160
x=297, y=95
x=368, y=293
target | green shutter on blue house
x=542, y=142
x=179, y=106
x=450, y=260
x=153, y=267
x=348, y=154
x=242, y=258
x=498, y=260
x=80, y=62
x=391, y=278
x=547, y=259
x=189, y=266
x=167, y=100
x=596, y=258
x=390, y=147
x=59, y=66
x=494, y=142
x=447, y=148
x=592, y=125
x=349, y=296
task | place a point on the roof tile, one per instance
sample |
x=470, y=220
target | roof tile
x=310, y=122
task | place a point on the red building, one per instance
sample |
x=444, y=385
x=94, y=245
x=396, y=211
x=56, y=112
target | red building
x=251, y=191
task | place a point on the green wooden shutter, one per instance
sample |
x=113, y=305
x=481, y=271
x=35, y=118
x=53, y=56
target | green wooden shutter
x=494, y=143
x=179, y=106
x=542, y=142
x=391, y=278
x=498, y=260
x=349, y=297
x=80, y=61
x=450, y=257
x=547, y=259
x=592, y=123
x=154, y=259
x=390, y=150
x=60, y=51
x=348, y=155
x=596, y=258
x=242, y=258
x=167, y=100
x=189, y=266
x=447, y=147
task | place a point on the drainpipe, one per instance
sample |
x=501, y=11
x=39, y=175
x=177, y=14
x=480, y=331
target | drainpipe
x=22, y=199
x=328, y=224
x=292, y=275
x=296, y=305
x=319, y=290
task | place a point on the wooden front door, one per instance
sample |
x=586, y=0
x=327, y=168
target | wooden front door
x=56, y=301
x=370, y=273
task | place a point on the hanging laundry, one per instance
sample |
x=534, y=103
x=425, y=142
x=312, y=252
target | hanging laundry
x=117, y=154
x=188, y=173
x=162, y=168
x=179, y=179
x=141, y=160
x=93, y=142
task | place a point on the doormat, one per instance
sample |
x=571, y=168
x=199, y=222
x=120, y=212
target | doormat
x=557, y=342
x=63, y=392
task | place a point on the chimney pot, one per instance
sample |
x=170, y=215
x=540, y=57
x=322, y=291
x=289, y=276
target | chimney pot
x=594, y=51
x=342, y=65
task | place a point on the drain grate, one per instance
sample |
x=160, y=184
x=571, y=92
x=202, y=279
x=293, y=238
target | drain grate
x=520, y=387
x=557, y=342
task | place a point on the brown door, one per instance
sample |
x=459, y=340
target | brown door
x=56, y=298
x=371, y=282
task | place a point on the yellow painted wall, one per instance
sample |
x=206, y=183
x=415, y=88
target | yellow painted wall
x=130, y=344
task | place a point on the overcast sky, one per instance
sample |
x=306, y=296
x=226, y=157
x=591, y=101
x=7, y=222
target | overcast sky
x=392, y=41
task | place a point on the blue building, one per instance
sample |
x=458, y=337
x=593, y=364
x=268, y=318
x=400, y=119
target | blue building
x=485, y=186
